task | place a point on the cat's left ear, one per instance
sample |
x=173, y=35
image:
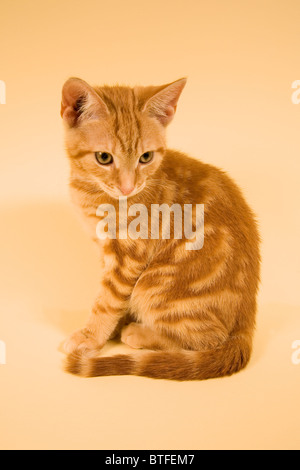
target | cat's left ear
x=80, y=102
x=162, y=104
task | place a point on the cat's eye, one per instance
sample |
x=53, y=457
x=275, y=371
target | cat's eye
x=146, y=157
x=104, y=158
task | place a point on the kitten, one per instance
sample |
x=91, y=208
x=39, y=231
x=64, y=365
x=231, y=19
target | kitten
x=191, y=311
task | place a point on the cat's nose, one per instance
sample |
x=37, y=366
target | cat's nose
x=126, y=183
x=126, y=190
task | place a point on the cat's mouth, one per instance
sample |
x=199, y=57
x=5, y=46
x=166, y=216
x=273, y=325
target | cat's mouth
x=116, y=193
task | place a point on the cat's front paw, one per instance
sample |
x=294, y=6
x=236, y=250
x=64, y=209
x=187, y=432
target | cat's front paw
x=81, y=341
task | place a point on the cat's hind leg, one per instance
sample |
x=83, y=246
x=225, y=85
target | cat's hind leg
x=139, y=336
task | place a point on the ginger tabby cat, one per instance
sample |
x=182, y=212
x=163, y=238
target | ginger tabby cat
x=188, y=314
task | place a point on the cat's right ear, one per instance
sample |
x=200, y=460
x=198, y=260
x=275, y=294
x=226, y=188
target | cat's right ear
x=80, y=102
x=163, y=101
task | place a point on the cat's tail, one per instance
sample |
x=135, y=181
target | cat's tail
x=231, y=357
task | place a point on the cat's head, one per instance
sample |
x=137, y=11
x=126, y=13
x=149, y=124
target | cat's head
x=116, y=135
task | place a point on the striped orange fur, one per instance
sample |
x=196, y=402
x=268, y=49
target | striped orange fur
x=189, y=315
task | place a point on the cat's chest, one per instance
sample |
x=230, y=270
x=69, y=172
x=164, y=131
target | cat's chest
x=127, y=257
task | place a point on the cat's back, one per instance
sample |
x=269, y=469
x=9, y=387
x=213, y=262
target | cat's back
x=224, y=203
x=202, y=183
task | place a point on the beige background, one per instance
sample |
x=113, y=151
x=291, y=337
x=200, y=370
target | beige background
x=241, y=58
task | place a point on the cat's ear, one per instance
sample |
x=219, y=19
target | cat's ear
x=80, y=102
x=163, y=101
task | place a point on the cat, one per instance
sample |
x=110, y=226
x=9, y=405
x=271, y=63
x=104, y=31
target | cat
x=189, y=315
